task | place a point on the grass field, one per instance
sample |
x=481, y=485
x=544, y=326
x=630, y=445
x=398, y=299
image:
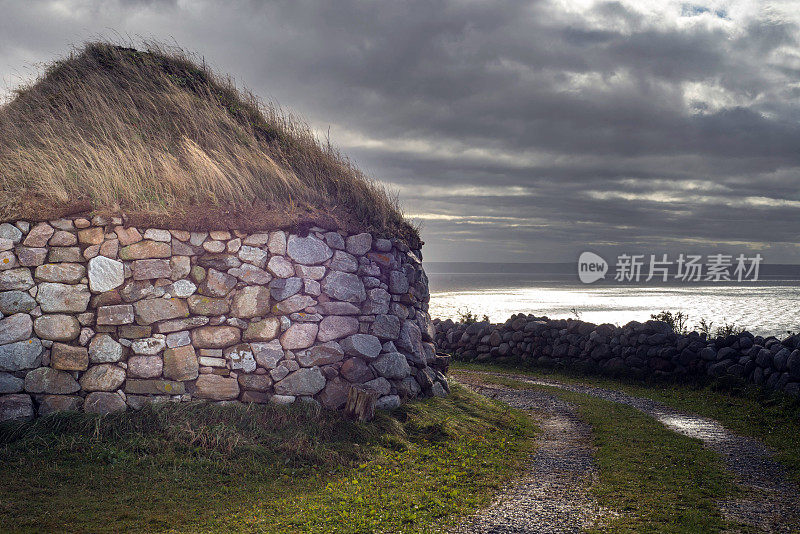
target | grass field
x=200, y=468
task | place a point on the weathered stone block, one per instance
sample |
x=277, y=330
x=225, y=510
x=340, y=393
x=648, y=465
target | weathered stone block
x=68, y=358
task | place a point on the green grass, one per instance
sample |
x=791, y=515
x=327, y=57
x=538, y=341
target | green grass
x=654, y=479
x=200, y=468
x=772, y=418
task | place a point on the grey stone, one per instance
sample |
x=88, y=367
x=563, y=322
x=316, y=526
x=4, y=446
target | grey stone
x=359, y=244
x=277, y=243
x=179, y=339
x=334, y=240
x=150, y=269
x=12, y=233
x=392, y=365
x=21, y=355
x=241, y=357
x=388, y=402
x=181, y=363
x=68, y=358
x=181, y=289
x=398, y=283
x=154, y=387
x=16, y=407
x=215, y=337
x=149, y=346
x=264, y=330
x=268, y=355
x=117, y=314
x=323, y=354
x=280, y=267
x=250, y=301
x=342, y=261
x=305, y=381
x=105, y=274
x=337, y=308
x=8, y=260
x=65, y=273
x=299, y=336
x=215, y=387
x=344, y=286
x=63, y=298
x=315, y=272
x=103, y=377
x=10, y=384
x=380, y=385
x=150, y=311
x=15, y=328
x=57, y=327
x=307, y=250
x=283, y=288
x=12, y=302
x=356, y=370
x=377, y=302
x=386, y=327
x=336, y=327
x=101, y=402
x=31, y=257
x=61, y=254
x=48, y=380
x=382, y=245
x=293, y=304
x=410, y=340
x=145, y=366
x=217, y=284
x=256, y=240
x=250, y=274
x=282, y=399
x=173, y=325
x=255, y=382
x=253, y=255
x=16, y=279
x=362, y=345
x=58, y=403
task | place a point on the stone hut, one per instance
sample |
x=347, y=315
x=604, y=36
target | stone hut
x=278, y=274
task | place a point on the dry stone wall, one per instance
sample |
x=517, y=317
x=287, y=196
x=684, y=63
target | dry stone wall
x=97, y=316
x=649, y=349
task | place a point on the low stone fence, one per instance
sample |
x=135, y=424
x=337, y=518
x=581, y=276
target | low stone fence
x=649, y=349
x=95, y=315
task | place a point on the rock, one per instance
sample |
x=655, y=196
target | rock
x=408, y=388
x=386, y=327
x=127, y=236
x=283, y=288
x=18, y=327
x=63, y=239
x=10, y=384
x=21, y=355
x=337, y=308
x=336, y=327
x=65, y=273
x=316, y=272
x=282, y=399
x=151, y=269
x=57, y=327
x=68, y=358
x=174, y=325
x=255, y=382
x=392, y=365
x=344, y=286
x=48, y=380
x=250, y=274
x=323, y=354
x=37, y=237
x=145, y=366
x=12, y=233
x=334, y=396
x=362, y=345
x=60, y=298
x=256, y=240
x=179, y=339
x=202, y=305
x=305, y=381
x=359, y=244
x=181, y=267
x=145, y=250
x=16, y=279
x=241, y=358
x=158, y=235
x=382, y=245
x=264, y=330
x=180, y=363
x=59, y=403
x=103, y=377
x=356, y=370
x=220, y=262
x=410, y=340
x=12, y=302
x=154, y=387
x=293, y=304
x=182, y=289
x=91, y=236
x=253, y=255
x=102, y=403
x=117, y=314
x=388, y=402
x=250, y=301
x=16, y=407
x=307, y=250
x=277, y=243
x=150, y=311
x=280, y=267
x=215, y=337
x=8, y=260
x=64, y=254
x=342, y=261
x=215, y=387
x=398, y=283
x=379, y=385
x=149, y=346
x=217, y=284
x=268, y=355
x=299, y=336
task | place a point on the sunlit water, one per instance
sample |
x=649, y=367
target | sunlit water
x=767, y=307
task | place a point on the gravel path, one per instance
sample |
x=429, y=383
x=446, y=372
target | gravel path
x=551, y=496
x=770, y=503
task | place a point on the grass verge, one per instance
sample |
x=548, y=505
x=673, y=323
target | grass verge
x=656, y=480
x=773, y=418
x=200, y=468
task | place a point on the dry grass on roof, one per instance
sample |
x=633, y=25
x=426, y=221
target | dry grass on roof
x=159, y=138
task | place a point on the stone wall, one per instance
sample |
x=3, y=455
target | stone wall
x=97, y=316
x=649, y=349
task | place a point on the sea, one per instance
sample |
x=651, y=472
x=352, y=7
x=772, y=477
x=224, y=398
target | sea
x=767, y=306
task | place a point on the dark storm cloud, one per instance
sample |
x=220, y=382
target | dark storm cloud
x=521, y=131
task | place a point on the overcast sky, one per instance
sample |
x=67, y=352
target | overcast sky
x=513, y=131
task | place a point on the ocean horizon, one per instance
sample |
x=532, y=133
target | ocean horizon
x=767, y=306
